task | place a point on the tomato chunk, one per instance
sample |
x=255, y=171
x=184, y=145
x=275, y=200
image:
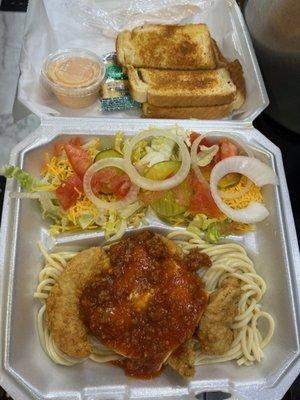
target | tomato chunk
x=69, y=191
x=78, y=157
x=201, y=199
x=226, y=149
x=111, y=181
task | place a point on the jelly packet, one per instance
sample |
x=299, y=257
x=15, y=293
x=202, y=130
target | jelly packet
x=114, y=91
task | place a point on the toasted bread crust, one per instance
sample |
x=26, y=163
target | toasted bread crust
x=220, y=59
x=137, y=88
x=168, y=88
x=212, y=112
x=236, y=72
x=167, y=47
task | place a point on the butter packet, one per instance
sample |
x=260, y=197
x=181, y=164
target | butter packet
x=114, y=91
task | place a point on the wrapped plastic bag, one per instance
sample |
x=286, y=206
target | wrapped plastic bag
x=110, y=18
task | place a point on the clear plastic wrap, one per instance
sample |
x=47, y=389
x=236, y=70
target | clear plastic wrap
x=110, y=18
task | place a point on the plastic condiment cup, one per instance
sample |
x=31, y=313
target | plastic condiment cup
x=74, y=76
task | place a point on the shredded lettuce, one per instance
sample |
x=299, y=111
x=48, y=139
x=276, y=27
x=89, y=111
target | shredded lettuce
x=111, y=225
x=206, y=155
x=121, y=227
x=86, y=219
x=139, y=151
x=202, y=222
x=49, y=208
x=128, y=211
x=163, y=145
x=119, y=142
x=160, y=149
x=92, y=147
x=213, y=234
x=210, y=226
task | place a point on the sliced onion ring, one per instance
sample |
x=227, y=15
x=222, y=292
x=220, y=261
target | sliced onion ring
x=116, y=205
x=197, y=170
x=260, y=173
x=150, y=184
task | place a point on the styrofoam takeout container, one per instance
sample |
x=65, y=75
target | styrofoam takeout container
x=51, y=25
x=27, y=372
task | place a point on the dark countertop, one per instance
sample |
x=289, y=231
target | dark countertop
x=289, y=144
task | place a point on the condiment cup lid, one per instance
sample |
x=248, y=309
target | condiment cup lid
x=76, y=72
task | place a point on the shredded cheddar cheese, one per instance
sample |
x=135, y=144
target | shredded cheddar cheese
x=57, y=170
x=82, y=206
x=254, y=194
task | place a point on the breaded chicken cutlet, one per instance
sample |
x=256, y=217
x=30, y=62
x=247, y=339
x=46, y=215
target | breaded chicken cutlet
x=62, y=306
x=215, y=334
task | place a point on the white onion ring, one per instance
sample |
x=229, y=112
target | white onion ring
x=150, y=184
x=116, y=205
x=194, y=152
x=260, y=173
x=197, y=170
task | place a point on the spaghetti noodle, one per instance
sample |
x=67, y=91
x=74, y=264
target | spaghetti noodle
x=228, y=259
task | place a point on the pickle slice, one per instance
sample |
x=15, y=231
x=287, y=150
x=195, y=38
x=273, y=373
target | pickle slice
x=229, y=180
x=226, y=182
x=108, y=153
x=167, y=205
x=163, y=170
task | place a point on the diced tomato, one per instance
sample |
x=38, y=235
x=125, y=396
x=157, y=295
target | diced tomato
x=111, y=181
x=202, y=200
x=79, y=158
x=69, y=191
x=76, y=141
x=123, y=187
x=58, y=146
x=226, y=149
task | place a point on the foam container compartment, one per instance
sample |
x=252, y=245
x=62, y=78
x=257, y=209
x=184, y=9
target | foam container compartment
x=27, y=372
x=56, y=24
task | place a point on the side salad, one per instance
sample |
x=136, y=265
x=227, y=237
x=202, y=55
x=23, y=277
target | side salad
x=210, y=183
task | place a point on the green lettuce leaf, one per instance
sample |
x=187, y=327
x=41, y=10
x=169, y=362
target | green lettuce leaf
x=27, y=181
